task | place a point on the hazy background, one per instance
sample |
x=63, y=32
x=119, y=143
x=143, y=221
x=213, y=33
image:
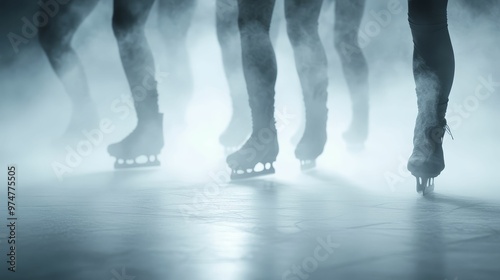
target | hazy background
x=34, y=109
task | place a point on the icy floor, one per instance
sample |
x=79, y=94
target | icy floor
x=140, y=224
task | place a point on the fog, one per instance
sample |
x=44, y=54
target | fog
x=82, y=219
x=35, y=109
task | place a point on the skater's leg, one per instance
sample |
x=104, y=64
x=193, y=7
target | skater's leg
x=55, y=39
x=348, y=15
x=259, y=67
x=311, y=63
x=175, y=20
x=129, y=18
x=229, y=40
x=433, y=68
x=433, y=52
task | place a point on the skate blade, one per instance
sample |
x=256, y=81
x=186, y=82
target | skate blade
x=130, y=163
x=246, y=174
x=425, y=185
x=307, y=164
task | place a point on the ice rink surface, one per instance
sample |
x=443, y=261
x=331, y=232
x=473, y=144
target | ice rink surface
x=141, y=225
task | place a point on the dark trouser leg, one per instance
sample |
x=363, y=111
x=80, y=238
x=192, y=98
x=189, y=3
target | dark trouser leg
x=55, y=39
x=259, y=68
x=259, y=60
x=129, y=18
x=229, y=40
x=311, y=63
x=175, y=20
x=433, y=68
x=348, y=16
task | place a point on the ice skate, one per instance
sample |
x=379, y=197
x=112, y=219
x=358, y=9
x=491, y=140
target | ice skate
x=256, y=157
x=141, y=147
x=355, y=138
x=427, y=159
x=313, y=140
x=357, y=133
x=82, y=119
x=235, y=134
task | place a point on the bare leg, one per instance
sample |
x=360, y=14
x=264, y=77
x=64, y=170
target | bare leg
x=55, y=39
x=348, y=15
x=259, y=68
x=311, y=63
x=175, y=20
x=129, y=18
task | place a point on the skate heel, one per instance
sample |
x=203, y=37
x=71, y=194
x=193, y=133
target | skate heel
x=238, y=130
x=255, y=158
x=141, y=147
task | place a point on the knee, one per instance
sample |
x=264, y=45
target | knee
x=251, y=28
x=53, y=41
x=226, y=31
x=124, y=24
x=295, y=31
x=299, y=30
x=341, y=41
x=347, y=47
x=226, y=11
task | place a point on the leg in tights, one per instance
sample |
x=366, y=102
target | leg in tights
x=259, y=68
x=433, y=68
x=311, y=63
x=348, y=15
x=129, y=18
x=55, y=39
x=276, y=21
x=175, y=20
x=229, y=40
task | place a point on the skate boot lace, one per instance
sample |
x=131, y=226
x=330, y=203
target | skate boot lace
x=448, y=130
